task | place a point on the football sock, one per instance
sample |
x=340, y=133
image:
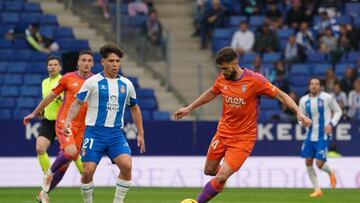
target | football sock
x=312, y=176
x=44, y=161
x=122, y=187
x=211, y=189
x=60, y=161
x=79, y=165
x=87, y=190
x=325, y=167
x=59, y=174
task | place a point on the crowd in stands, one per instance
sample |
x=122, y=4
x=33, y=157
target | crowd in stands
x=289, y=41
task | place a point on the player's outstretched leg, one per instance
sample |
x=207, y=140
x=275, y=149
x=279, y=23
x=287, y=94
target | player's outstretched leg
x=313, y=178
x=322, y=165
x=216, y=185
x=42, y=144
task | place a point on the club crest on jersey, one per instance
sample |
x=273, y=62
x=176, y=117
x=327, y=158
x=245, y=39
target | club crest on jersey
x=122, y=89
x=243, y=88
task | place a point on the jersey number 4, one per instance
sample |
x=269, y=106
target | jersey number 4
x=87, y=141
x=214, y=144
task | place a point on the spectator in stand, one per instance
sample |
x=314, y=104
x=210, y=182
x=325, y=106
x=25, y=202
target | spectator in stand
x=328, y=42
x=259, y=68
x=341, y=99
x=332, y=7
x=357, y=68
x=266, y=40
x=243, y=40
x=274, y=15
x=214, y=17
x=329, y=81
x=347, y=82
x=138, y=8
x=292, y=50
x=305, y=38
x=311, y=7
x=280, y=77
x=16, y=31
x=354, y=101
x=345, y=44
x=353, y=35
x=296, y=15
x=326, y=22
x=105, y=7
x=152, y=28
x=199, y=15
x=38, y=41
x=251, y=7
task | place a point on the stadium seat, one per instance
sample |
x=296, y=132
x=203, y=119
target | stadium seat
x=319, y=70
x=10, y=18
x=236, y=20
x=26, y=103
x=38, y=56
x=18, y=67
x=31, y=91
x=353, y=56
x=13, y=80
x=80, y=45
x=5, y=114
x=48, y=20
x=300, y=90
x=282, y=44
x=248, y=58
x=34, y=79
x=9, y=91
x=284, y=33
x=269, y=104
x=64, y=33
x=65, y=44
x=19, y=114
x=48, y=31
x=22, y=44
x=30, y=17
x=3, y=67
x=221, y=38
x=161, y=116
x=146, y=115
x=97, y=57
x=13, y=6
x=23, y=55
x=6, y=55
x=256, y=21
x=340, y=69
x=352, y=9
x=343, y=19
x=7, y=103
x=299, y=80
x=37, y=67
x=147, y=104
x=32, y=7
x=145, y=93
x=271, y=57
x=300, y=69
x=316, y=57
x=5, y=44
x=134, y=81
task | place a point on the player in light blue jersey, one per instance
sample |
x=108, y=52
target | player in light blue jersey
x=107, y=94
x=325, y=113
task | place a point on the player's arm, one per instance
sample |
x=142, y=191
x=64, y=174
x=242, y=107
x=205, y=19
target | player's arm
x=41, y=106
x=206, y=97
x=287, y=101
x=137, y=118
x=337, y=112
x=72, y=113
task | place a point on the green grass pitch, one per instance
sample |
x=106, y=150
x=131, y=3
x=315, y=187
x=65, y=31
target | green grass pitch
x=175, y=195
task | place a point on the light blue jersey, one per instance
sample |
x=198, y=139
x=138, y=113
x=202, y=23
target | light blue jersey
x=107, y=99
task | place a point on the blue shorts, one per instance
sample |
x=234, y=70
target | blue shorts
x=99, y=141
x=315, y=149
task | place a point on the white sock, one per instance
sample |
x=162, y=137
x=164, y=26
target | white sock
x=87, y=190
x=122, y=187
x=326, y=168
x=312, y=176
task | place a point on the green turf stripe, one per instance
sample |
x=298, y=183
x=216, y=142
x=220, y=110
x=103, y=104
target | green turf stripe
x=122, y=185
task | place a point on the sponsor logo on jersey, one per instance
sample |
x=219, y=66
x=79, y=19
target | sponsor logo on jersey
x=234, y=101
x=112, y=105
x=102, y=87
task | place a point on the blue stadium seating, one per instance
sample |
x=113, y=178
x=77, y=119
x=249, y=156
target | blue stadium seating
x=80, y=45
x=248, y=58
x=8, y=103
x=30, y=17
x=5, y=114
x=221, y=38
x=299, y=80
x=38, y=56
x=22, y=55
x=64, y=33
x=320, y=69
x=37, y=68
x=256, y=21
x=343, y=19
x=316, y=57
x=284, y=33
x=269, y=104
x=19, y=114
x=20, y=68
x=5, y=44
x=97, y=68
x=65, y=44
x=34, y=79
x=300, y=69
x=147, y=104
x=10, y=18
x=32, y=7
x=10, y=91
x=26, y=103
x=22, y=44
x=48, y=31
x=236, y=20
x=145, y=93
x=134, y=81
x=300, y=90
x=271, y=57
x=352, y=9
x=3, y=67
x=49, y=20
x=340, y=69
x=146, y=115
x=31, y=91
x=161, y=116
x=13, y=80
x=13, y=6
x=353, y=56
x=97, y=57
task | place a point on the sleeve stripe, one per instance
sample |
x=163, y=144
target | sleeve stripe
x=82, y=95
x=133, y=101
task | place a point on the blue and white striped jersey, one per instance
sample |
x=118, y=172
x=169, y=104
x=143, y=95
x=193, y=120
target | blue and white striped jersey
x=322, y=110
x=107, y=99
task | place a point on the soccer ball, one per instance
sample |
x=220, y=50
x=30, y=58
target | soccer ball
x=189, y=201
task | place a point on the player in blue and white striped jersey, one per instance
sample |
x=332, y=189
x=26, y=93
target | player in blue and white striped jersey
x=325, y=113
x=107, y=94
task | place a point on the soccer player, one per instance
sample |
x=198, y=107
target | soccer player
x=234, y=140
x=47, y=130
x=70, y=145
x=325, y=113
x=107, y=94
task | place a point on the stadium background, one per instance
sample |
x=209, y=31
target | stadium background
x=166, y=77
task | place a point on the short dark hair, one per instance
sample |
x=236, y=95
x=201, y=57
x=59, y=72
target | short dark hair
x=315, y=78
x=86, y=52
x=35, y=25
x=53, y=58
x=108, y=49
x=226, y=54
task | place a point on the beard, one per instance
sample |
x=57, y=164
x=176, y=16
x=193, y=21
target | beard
x=231, y=76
